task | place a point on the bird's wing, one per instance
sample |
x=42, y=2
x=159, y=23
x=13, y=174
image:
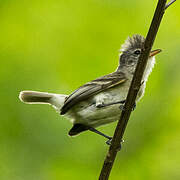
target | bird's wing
x=92, y=88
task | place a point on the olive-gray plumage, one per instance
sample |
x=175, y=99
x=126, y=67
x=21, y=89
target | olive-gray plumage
x=92, y=88
x=128, y=60
x=97, y=102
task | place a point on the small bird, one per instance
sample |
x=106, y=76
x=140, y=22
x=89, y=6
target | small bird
x=99, y=101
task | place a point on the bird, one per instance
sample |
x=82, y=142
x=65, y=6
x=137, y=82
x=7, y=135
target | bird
x=99, y=101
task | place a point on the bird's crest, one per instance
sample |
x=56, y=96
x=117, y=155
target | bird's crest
x=134, y=42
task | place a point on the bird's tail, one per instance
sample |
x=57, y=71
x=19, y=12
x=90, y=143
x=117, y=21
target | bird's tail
x=34, y=97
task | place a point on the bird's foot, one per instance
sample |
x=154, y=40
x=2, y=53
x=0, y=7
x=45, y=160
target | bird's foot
x=108, y=142
x=122, y=108
x=134, y=107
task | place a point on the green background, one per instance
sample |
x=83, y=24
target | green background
x=56, y=46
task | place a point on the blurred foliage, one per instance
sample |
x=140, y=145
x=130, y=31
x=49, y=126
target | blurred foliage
x=56, y=46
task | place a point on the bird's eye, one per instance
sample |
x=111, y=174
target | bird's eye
x=137, y=52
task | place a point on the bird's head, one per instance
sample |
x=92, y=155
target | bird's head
x=131, y=51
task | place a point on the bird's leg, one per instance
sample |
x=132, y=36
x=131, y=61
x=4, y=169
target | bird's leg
x=100, y=133
x=122, y=106
x=101, y=105
x=108, y=142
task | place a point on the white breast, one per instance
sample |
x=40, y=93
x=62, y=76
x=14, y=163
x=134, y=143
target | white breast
x=148, y=70
x=149, y=67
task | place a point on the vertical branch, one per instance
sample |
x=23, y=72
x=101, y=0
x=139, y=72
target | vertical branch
x=133, y=90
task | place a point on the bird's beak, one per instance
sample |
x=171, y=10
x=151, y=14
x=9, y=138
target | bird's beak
x=154, y=52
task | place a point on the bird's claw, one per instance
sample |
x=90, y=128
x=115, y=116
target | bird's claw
x=108, y=142
x=122, y=108
x=134, y=107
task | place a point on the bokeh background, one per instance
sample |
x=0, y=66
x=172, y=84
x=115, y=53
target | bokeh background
x=56, y=46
